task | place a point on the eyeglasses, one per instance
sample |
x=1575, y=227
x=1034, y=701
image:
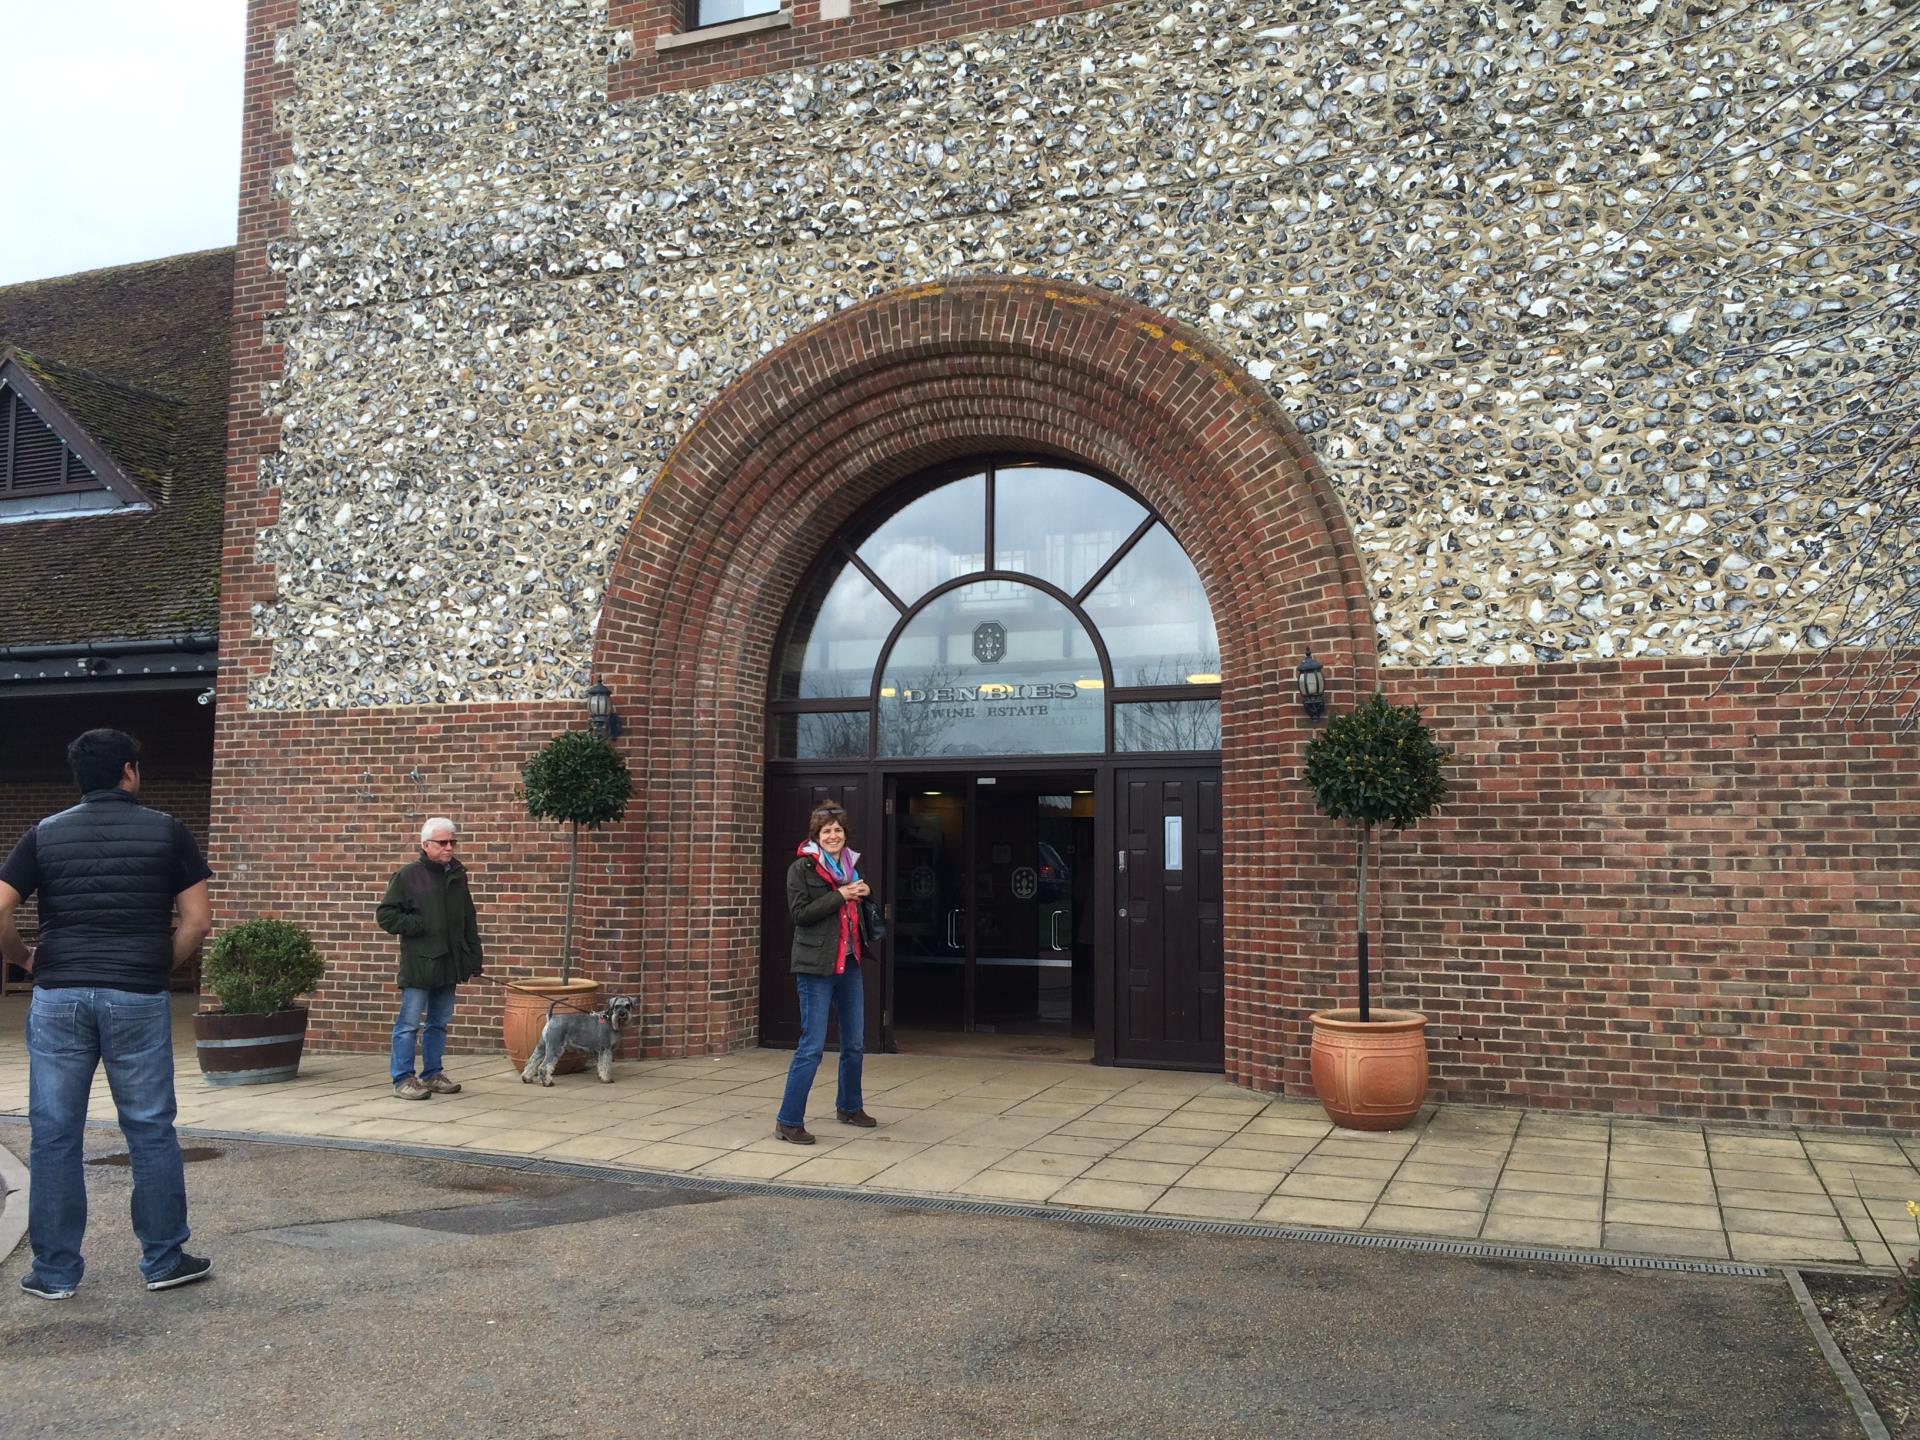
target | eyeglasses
x=441, y=842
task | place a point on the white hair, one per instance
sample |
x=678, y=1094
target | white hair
x=436, y=823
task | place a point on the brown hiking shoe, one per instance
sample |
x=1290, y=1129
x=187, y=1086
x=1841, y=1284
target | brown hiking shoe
x=441, y=1085
x=412, y=1089
x=856, y=1117
x=792, y=1134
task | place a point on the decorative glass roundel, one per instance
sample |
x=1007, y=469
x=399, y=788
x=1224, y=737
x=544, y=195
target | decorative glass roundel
x=994, y=668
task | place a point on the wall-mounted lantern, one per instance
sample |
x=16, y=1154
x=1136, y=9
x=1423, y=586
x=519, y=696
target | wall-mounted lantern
x=600, y=712
x=1313, y=687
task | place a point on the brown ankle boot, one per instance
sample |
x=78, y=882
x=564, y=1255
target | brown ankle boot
x=792, y=1134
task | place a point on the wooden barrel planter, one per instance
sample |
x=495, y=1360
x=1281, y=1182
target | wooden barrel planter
x=249, y=1049
x=524, y=1016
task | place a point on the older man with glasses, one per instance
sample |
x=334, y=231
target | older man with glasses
x=430, y=908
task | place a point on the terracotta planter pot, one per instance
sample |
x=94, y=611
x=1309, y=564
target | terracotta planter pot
x=249, y=1049
x=1371, y=1076
x=525, y=1016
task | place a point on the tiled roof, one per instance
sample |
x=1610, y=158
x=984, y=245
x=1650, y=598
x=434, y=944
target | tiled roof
x=138, y=356
x=136, y=427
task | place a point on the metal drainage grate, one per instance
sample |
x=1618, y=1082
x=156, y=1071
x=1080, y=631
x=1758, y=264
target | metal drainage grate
x=1110, y=1219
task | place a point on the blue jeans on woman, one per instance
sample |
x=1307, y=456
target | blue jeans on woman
x=421, y=1009
x=70, y=1033
x=847, y=996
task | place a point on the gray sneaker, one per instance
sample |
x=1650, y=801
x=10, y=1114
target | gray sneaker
x=440, y=1084
x=412, y=1089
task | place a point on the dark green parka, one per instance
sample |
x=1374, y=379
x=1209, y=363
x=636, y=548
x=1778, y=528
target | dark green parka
x=430, y=908
x=815, y=907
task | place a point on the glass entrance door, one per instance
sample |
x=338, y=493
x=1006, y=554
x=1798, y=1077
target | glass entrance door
x=930, y=922
x=993, y=903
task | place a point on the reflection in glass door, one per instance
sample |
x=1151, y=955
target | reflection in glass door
x=993, y=904
x=1023, y=937
x=930, y=923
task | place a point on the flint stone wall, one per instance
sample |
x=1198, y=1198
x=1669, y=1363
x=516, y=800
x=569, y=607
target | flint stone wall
x=1549, y=367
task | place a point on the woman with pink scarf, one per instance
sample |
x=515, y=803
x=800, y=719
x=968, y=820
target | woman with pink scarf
x=824, y=895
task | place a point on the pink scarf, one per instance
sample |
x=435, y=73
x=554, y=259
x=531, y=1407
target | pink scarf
x=836, y=874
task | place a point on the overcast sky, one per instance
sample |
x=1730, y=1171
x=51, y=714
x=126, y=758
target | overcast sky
x=125, y=130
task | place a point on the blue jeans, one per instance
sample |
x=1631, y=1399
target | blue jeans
x=421, y=1008
x=848, y=997
x=69, y=1034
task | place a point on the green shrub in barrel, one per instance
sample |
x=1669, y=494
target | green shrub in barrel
x=255, y=1033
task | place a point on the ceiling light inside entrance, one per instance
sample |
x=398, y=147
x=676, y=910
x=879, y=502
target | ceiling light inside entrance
x=1203, y=679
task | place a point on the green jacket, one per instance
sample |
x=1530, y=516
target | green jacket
x=815, y=907
x=430, y=908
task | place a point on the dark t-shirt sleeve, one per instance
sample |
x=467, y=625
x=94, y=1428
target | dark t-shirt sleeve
x=189, y=865
x=22, y=870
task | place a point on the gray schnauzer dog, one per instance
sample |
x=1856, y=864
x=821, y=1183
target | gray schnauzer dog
x=595, y=1034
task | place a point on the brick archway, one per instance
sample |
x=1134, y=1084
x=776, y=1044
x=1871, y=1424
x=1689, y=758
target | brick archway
x=809, y=435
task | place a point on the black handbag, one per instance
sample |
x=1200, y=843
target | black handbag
x=873, y=920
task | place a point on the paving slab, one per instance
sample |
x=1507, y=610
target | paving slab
x=1547, y=1182
x=1415, y=1220
x=1542, y=1230
x=1330, y=1187
x=1661, y=1187
x=1202, y=1204
x=1649, y=1212
x=1583, y=1210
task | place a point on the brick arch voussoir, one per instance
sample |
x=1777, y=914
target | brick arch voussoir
x=748, y=601
x=1151, y=387
x=783, y=519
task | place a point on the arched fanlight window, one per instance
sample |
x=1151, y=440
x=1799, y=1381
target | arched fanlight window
x=1019, y=610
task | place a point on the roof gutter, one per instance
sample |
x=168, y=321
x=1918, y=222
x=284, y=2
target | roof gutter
x=109, y=662
x=107, y=649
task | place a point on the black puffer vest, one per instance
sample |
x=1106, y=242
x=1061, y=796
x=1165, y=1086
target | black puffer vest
x=107, y=873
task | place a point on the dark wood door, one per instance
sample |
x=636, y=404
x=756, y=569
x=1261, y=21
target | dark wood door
x=789, y=801
x=1168, y=1001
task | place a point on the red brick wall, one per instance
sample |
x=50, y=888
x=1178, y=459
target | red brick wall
x=1650, y=893
x=1657, y=891
x=253, y=427
x=315, y=810
x=809, y=40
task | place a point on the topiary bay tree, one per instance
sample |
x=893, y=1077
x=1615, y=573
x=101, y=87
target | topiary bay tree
x=1376, y=765
x=580, y=779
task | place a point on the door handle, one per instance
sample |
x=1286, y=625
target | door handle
x=1053, y=932
x=953, y=917
x=1123, y=862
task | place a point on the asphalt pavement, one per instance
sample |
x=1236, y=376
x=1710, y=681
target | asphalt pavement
x=367, y=1294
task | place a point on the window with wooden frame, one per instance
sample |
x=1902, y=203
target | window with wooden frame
x=704, y=13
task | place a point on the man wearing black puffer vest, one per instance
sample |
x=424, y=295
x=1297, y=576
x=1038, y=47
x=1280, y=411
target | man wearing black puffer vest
x=109, y=874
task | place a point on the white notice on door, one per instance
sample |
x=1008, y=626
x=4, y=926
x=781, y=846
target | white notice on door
x=1173, y=842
